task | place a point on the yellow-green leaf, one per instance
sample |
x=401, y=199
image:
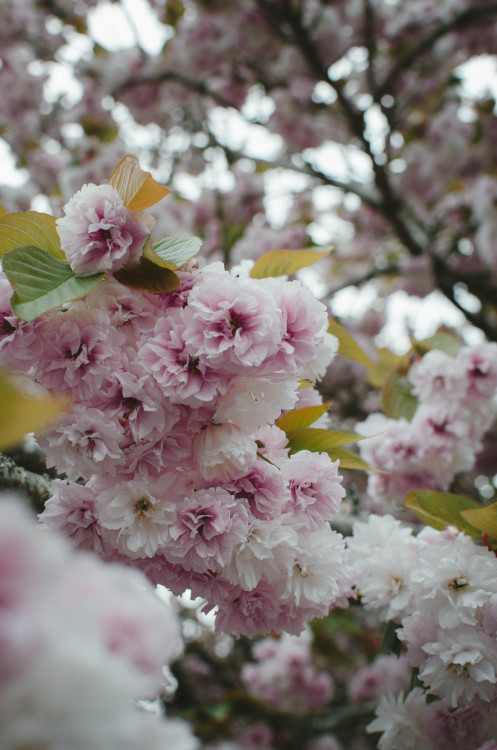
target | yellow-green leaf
x=322, y=441
x=137, y=188
x=441, y=509
x=148, y=277
x=284, y=262
x=301, y=417
x=348, y=460
x=397, y=399
x=383, y=366
x=484, y=519
x=347, y=345
x=444, y=340
x=21, y=412
x=3, y=210
x=30, y=228
x=149, y=253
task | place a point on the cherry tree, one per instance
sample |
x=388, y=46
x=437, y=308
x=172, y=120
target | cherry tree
x=340, y=150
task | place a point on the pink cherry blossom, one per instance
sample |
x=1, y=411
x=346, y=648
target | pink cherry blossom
x=98, y=233
x=315, y=489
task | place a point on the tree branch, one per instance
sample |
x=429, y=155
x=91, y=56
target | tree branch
x=470, y=16
x=200, y=87
x=36, y=486
x=478, y=285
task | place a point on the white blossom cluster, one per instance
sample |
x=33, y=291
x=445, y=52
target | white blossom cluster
x=441, y=588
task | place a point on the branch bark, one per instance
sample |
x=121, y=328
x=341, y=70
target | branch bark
x=36, y=486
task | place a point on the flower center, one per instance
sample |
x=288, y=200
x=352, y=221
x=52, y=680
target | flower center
x=192, y=365
x=458, y=584
x=142, y=506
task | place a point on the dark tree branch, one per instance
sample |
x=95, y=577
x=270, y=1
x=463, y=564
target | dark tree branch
x=36, y=486
x=304, y=168
x=479, y=285
x=468, y=17
x=199, y=87
x=374, y=273
x=391, y=206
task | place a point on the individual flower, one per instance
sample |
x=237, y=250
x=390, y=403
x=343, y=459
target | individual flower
x=184, y=377
x=306, y=348
x=19, y=343
x=480, y=366
x=266, y=552
x=83, y=443
x=453, y=579
x=80, y=351
x=461, y=665
x=315, y=488
x=71, y=509
x=438, y=376
x=317, y=575
x=139, y=513
x=205, y=529
x=402, y=721
x=223, y=452
x=248, y=612
x=452, y=728
x=262, y=488
x=235, y=324
x=253, y=402
x=98, y=233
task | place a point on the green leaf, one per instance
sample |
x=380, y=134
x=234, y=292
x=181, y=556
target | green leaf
x=30, y=228
x=441, y=509
x=301, y=417
x=137, y=188
x=348, y=460
x=21, y=412
x=177, y=250
x=148, y=277
x=444, y=340
x=390, y=641
x=284, y=262
x=347, y=345
x=301, y=438
x=41, y=282
x=383, y=366
x=396, y=397
x=328, y=441
x=484, y=519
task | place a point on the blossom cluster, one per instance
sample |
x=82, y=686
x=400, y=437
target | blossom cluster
x=285, y=676
x=172, y=458
x=456, y=406
x=83, y=648
x=442, y=590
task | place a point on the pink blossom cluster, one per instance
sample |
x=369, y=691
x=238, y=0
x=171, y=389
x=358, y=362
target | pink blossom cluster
x=82, y=643
x=442, y=590
x=386, y=673
x=457, y=403
x=172, y=458
x=284, y=675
